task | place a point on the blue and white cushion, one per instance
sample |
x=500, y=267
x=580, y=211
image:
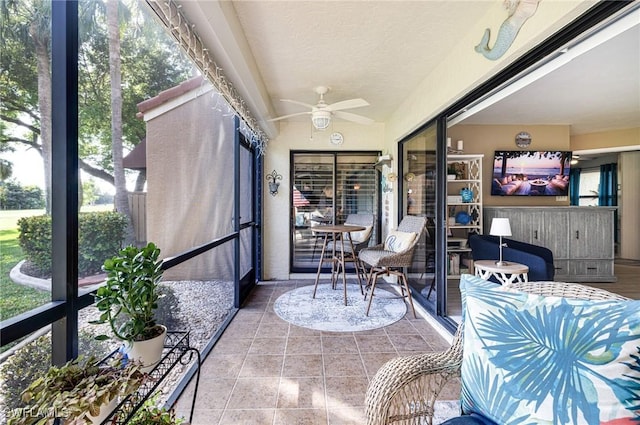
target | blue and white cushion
x=533, y=359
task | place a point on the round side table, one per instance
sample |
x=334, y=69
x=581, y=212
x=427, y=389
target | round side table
x=506, y=274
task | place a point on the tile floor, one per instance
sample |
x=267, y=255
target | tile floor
x=264, y=370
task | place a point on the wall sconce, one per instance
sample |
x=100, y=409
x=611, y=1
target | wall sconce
x=273, y=182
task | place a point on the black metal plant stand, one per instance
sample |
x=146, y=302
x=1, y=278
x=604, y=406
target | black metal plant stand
x=176, y=350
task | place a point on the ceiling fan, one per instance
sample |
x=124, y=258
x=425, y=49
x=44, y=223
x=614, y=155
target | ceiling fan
x=322, y=112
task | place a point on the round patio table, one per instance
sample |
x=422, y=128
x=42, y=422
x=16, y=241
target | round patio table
x=337, y=258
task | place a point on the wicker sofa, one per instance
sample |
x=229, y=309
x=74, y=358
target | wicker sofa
x=404, y=390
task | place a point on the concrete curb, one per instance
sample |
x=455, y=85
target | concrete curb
x=18, y=277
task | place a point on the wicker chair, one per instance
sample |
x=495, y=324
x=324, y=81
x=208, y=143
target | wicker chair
x=365, y=220
x=404, y=389
x=383, y=262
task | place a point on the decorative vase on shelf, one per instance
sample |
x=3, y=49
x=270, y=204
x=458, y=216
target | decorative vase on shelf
x=467, y=195
x=463, y=218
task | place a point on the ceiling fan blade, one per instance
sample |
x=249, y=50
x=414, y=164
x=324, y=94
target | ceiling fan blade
x=289, y=116
x=347, y=104
x=354, y=117
x=306, y=105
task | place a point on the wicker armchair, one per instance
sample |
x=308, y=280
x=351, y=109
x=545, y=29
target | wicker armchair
x=385, y=262
x=404, y=389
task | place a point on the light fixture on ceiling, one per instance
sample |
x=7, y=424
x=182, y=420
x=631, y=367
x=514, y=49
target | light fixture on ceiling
x=321, y=119
x=574, y=159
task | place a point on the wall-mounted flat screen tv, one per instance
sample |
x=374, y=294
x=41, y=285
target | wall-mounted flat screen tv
x=529, y=173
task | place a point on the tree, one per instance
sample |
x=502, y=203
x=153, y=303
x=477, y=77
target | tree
x=6, y=169
x=121, y=199
x=26, y=37
x=150, y=63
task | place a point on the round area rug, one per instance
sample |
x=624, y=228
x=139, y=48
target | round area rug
x=327, y=312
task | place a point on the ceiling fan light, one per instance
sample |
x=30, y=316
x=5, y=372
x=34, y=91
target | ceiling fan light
x=321, y=119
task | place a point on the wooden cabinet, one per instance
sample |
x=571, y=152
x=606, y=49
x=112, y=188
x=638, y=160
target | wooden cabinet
x=464, y=210
x=581, y=238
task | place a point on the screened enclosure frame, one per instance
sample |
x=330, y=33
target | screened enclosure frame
x=66, y=300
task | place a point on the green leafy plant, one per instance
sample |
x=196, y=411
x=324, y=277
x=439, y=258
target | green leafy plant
x=129, y=298
x=32, y=361
x=151, y=414
x=100, y=235
x=77, y=389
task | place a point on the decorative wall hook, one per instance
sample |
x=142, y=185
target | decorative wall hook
x=273, y=182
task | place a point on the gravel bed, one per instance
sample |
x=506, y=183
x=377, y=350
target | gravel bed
x=202, y=307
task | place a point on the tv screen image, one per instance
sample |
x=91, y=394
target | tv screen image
x=531, y=173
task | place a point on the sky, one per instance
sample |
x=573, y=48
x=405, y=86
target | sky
x=28, y=169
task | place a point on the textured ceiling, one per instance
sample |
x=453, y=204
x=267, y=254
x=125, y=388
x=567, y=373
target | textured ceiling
x=376, y=50
x=381, y=50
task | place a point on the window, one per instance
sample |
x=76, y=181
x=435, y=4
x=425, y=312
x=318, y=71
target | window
x=326, y=188
x=589, y=183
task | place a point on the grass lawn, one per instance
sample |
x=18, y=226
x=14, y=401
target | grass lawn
x=14, y=298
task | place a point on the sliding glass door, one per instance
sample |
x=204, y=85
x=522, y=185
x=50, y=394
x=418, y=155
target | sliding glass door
x=417, y=193
x=325, y=188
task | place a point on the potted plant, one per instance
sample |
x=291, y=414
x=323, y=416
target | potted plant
x=151, y=414
x=128, y=302
x=79, y=390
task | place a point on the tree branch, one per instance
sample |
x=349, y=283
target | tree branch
x=20, y=123
x=96, y=172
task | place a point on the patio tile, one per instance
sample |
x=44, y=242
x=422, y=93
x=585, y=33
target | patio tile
x=258, y=365
x=220, y=366
x=343, y=365
x=346, y=390
x=375, y=344
x=268, y=345
x=203, y=416
x=302, y=365
x=346, y=416
x=233, y=345
x=247, y=417
x=254, y=393
x=301, y=393
x=339, y=344
x=304, y=345
x=410, y=343
x=301, y=417
x=374, y=361
x=265, y=371
x=214, y=393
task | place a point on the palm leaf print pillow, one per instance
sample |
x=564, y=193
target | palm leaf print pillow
x=530, y=359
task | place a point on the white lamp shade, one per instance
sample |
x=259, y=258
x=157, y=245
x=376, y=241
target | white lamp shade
x=500, y=227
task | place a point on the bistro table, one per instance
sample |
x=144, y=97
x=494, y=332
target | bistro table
x=507, y=273
x=337, y=258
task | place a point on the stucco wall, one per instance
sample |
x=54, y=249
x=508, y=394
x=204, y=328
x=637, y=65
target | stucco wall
x=189, y=149
x=297, y=136
x=629, y=169
x=606, y=139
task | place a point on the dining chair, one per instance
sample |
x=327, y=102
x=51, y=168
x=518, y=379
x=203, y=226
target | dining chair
x=392, y=256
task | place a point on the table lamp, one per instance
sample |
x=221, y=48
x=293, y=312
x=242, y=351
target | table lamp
x=500, y=227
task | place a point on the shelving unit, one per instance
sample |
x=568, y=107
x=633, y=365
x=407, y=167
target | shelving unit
x=463, y=217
